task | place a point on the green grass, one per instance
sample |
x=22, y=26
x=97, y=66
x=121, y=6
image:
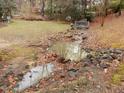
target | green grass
x=19, y=31
x=30, y=30
x=118, y=76
x=18, y=51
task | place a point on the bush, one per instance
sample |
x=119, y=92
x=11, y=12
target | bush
x=62, y=10
x=73, y=12
x=116, y=6
x=89, y=16
x=6, y=8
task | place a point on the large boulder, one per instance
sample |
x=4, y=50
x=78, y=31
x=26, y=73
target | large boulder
x=79, y=25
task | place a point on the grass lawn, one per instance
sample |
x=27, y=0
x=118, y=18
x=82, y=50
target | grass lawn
x=20, y=30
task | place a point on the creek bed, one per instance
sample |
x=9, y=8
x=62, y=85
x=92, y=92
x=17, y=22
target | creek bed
x=34, y=76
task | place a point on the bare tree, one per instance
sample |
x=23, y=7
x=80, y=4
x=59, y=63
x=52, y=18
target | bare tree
x=119, y=7
x=42, y=3
x=51, y=5
x=104, y=11
x=32, y=4
x=84, y=6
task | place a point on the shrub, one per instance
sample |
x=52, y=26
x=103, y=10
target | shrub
x=6, y=8
x=89, y=16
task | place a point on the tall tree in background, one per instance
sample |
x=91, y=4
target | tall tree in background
x=119, y=7
x=104, y=10
x=51, y=7
x=84, y=6
x=19, y=4
x=32, y=4
x=42, y=3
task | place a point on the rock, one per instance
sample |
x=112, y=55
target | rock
x=84, y=38
x=86, y=64
x=20, y=76
x=105, y=70
x=72, y=72
x=114, y=56
x=105, y=56
x=69, y=36
x=117, y=51
x=88, y=50
x=95, y=62
x=89, y=56
x=27, y=66
x=98, y=86
x=62, y=75
x=104, y=65
x=116, y=62
x=61, y=59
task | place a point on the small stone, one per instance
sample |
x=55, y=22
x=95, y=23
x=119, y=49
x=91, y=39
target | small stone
x=60, y=59
x=98, y=86
x=27, y=67
x=105, y=70
x=116, y=62
x=72, y=72
x=104, y=65
x=105, y=56
x=84, y=38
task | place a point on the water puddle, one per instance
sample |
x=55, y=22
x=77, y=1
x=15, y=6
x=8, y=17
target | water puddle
x=34, y=76
x=70, y=51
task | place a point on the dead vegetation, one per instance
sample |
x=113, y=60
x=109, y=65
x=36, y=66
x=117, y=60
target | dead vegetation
x=111, y=35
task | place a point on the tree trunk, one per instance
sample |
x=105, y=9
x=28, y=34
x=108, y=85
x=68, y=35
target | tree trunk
x=51, y=4
x=42, y=7
x=104, y=12
x=119, y=8
x=19, y=3
x=84, y=5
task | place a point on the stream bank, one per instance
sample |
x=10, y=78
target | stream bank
x=76, y=67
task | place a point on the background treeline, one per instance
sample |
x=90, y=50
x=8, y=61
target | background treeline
x=61, y=9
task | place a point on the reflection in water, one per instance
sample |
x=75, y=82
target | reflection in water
x=33, y=77
x=70, y=51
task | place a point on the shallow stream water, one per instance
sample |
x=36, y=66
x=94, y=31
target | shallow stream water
x=70, y=51
x=34, y=76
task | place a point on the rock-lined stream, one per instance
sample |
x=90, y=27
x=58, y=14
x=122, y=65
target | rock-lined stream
x=67, y=50
x=73, y=51
x=70, y=51
x=34, y=76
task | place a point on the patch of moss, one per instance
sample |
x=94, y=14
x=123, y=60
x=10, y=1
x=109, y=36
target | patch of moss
x=118, y=76
x=6, y=55
x=23, y=51
x=117, y=45
x=17, y=51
